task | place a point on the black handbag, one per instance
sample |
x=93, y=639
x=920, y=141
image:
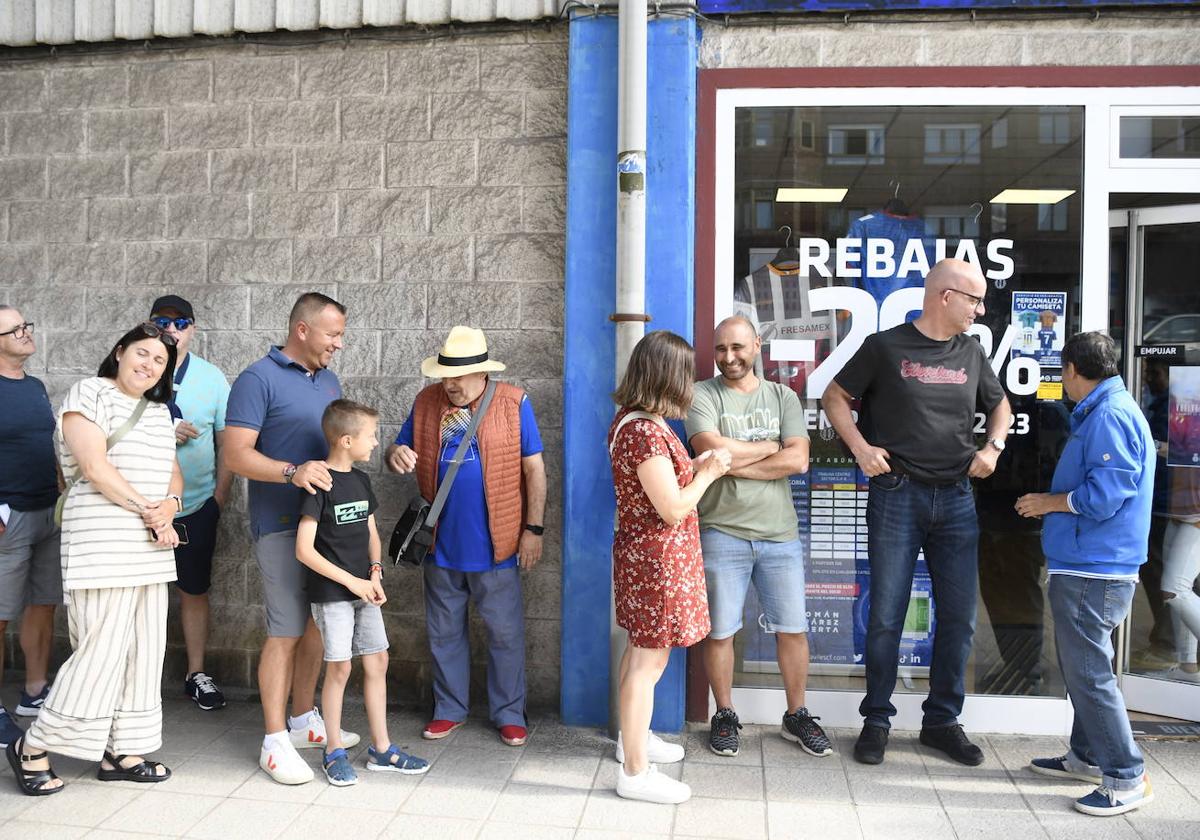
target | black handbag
x=412, y=538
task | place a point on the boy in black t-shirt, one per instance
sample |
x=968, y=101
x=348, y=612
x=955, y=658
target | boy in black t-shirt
x=338, y=541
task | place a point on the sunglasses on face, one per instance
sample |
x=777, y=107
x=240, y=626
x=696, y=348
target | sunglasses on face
x=155, y=331
x=20, y=330
x=181, y=324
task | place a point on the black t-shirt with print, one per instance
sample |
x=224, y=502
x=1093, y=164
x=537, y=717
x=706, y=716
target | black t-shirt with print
x=343, y=536
x=919, y=398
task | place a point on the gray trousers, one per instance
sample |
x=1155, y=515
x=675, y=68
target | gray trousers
x=497, y=598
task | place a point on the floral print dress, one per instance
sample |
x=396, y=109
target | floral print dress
x=658, y=573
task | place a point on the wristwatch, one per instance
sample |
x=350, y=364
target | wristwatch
x=998, y=443
x=536, y=530
x=178, y=502
x=288, y=472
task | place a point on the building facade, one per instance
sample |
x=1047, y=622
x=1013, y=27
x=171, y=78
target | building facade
x=437, y=163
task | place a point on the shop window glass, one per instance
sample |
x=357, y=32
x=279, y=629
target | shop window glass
x=922, y=182
x=855, y=145
x=952, y=144
x=1160, y=137
x=1054, y=127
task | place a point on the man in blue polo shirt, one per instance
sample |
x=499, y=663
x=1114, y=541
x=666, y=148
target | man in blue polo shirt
x=198, y=407
x=273, y=437
x=30, y=574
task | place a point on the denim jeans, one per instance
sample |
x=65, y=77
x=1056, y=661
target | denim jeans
x=1086, y=610
x=904, y=516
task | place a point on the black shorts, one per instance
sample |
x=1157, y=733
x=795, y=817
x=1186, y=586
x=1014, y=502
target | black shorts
x=193, y=562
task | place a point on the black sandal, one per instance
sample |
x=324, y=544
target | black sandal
x=143, y=771
x=31, y=782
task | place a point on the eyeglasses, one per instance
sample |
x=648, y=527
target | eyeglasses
x=20, y=330
x=155, y=331
x=976, y=300
x=181, y=324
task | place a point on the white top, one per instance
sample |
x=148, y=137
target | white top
x=103, y=545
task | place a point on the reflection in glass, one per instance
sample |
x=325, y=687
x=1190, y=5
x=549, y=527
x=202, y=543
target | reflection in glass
x=920, y=186
x=1174, y=138
x=1166, y=623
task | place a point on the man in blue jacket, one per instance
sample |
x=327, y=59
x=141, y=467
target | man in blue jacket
x=1097, y=524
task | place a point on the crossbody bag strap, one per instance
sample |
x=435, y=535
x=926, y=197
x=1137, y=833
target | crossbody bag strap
x=633, y=415
x=439, y=500
x=115, y=438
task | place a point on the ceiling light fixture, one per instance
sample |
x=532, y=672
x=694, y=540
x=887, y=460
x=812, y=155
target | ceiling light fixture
x=1013, y=196
x=812, y=195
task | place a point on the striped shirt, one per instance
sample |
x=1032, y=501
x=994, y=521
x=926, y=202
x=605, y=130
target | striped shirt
x=103, y=545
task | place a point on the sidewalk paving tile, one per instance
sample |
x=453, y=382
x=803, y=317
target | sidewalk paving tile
x=723, y=818
x=561, y=785
x=540, y=805
x=880, y=822
x=725, y=782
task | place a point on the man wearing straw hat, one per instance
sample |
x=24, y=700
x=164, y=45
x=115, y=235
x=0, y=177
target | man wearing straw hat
x=490, y=528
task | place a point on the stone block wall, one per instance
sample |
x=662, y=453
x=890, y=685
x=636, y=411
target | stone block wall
x=1130, y=37
x=421, y=183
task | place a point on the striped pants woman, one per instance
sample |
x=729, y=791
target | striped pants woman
x=107, y=696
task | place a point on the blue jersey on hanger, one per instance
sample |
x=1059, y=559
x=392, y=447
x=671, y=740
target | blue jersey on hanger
x=899, y=230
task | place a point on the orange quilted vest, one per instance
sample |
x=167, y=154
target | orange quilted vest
x=499, y=438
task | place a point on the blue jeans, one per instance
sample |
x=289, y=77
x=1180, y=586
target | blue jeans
x=1086, y=610
x=777, y=570
x=904, y=516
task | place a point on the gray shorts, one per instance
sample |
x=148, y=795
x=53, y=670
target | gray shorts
x=284, y=578
x=30, y=563
x=349, y=629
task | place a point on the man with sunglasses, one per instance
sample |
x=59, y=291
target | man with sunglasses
x=30, y=571
x=919, y=385
x=198, y=407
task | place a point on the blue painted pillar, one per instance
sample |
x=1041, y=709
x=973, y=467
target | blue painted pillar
x=588, y=376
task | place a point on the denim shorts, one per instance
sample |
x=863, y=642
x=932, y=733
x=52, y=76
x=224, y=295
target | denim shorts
x=777, y=570
x=350, y=629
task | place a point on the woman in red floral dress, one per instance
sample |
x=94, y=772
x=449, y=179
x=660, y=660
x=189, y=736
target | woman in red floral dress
x=658, y=573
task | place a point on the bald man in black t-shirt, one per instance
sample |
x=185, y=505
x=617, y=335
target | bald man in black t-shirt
x=919, y=385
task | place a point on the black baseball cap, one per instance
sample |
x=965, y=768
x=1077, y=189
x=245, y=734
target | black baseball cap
x=173, y=302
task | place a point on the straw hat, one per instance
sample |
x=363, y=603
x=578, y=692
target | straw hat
x=465, y=351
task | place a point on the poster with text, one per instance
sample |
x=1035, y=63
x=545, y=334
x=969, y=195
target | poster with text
x=1039, y=319
x=1183, y=417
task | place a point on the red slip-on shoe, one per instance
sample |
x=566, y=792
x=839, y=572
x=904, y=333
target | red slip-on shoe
x=439, y=729
x=514, y=736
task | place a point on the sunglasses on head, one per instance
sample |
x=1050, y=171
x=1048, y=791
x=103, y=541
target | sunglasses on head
x=181, y=324
x=155, y=331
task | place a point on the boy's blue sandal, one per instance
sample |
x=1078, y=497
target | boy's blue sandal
x=395, y=760
x=338, y=769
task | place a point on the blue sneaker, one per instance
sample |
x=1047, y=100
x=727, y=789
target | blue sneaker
x=1057, y=768
x=338, y=769
x=1105, y=802
x=395, y=760
x=30, y=706
x=9, y=731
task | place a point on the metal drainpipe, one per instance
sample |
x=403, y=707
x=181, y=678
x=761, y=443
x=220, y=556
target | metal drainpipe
x=630, y=314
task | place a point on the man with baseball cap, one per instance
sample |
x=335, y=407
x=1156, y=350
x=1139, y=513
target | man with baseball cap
x=198, y=407
x=490, y=527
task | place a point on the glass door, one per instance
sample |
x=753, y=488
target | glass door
x=1156, y=314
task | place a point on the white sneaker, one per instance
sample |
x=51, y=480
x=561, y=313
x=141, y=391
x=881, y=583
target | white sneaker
x=658, y=751
x=314, y=737
x=652, y=786
x=1175, y=672
x=283, y=763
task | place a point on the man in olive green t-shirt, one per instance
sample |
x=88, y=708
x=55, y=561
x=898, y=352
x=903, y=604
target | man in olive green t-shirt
x=748, y=528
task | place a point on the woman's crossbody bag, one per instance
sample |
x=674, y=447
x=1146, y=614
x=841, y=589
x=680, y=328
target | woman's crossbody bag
x=112, y=441
x=412, y=538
